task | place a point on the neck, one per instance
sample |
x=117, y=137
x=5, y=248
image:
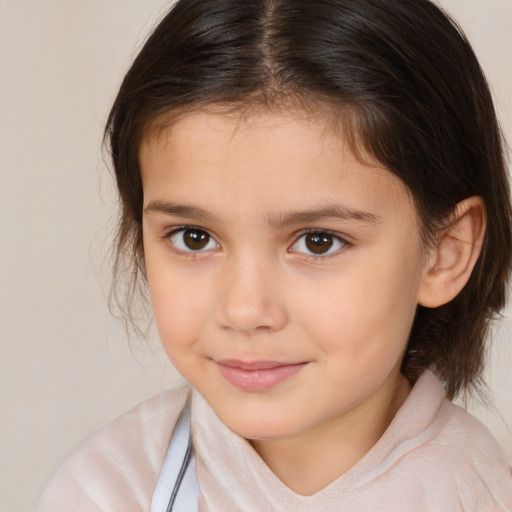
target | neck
x=310, y=461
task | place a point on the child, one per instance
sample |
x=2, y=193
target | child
x=315, y=194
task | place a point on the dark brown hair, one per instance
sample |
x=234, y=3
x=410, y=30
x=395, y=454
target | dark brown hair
x=401, y=77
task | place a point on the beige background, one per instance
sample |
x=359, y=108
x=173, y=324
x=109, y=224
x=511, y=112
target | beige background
x=65, y=363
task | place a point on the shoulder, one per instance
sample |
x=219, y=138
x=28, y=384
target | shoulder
x=463, y=462
x=117, y=467
x=471, y=459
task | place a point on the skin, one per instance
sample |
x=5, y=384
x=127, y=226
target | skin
x=255, y=292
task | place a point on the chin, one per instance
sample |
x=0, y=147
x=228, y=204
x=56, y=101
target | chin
x=257, y=427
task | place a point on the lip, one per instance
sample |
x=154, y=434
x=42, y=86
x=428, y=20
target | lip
x=257, y=375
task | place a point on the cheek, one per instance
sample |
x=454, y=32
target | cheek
x=364, y=314
x=179, y=306
x=179, y=321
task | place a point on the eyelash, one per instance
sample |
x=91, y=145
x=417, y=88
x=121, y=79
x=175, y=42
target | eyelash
x=343, y=243
x=182, y=229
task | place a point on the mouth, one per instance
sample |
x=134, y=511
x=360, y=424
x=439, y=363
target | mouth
x=258, y=375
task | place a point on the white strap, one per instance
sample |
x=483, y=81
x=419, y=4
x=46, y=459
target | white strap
x=177, y=489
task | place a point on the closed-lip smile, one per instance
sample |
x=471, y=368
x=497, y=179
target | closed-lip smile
x=257, y=375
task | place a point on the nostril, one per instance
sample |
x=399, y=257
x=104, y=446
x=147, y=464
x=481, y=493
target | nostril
x=250, y=314
x=249, y=298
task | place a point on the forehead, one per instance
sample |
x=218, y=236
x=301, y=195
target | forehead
x=264, y=161
x=326, y=121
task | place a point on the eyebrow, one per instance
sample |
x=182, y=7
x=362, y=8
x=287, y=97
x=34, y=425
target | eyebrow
x=184, y=211
x=332, y=211
x=275, y=221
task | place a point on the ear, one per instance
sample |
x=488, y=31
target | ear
x=450, y=263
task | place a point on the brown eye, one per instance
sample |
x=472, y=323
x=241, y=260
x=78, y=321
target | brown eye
x=192, y=240
x=319, y=243
x=195, y=240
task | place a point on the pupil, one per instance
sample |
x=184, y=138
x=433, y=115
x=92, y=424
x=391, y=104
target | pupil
x=319, y=243
x=196, y=240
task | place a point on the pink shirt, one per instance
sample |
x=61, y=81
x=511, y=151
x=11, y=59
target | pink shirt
x=433, y=457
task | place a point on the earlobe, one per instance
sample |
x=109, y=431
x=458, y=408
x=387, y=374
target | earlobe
x=449, y=265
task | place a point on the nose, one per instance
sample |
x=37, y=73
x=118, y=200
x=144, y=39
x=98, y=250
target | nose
x=251, y=297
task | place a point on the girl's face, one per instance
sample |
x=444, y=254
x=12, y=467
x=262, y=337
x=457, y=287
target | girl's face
x=283, y=272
